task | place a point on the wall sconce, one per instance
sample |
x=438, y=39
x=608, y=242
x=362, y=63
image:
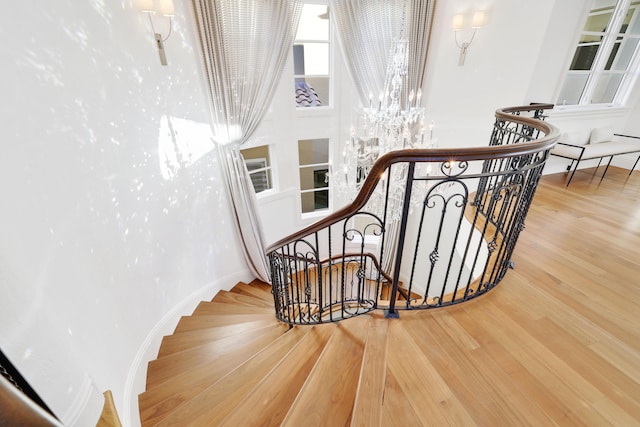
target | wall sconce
x=158, y=7
x=477, y=21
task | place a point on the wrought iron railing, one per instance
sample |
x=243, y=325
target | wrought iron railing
x=446, y=228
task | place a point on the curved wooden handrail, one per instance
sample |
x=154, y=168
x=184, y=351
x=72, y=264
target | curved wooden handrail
x=438, y=155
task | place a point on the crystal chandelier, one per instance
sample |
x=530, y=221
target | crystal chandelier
x=394, y=122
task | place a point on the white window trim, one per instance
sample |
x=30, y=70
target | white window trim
x=320, y=213
x=271, y=167
x=630, y=74
x=323, y=109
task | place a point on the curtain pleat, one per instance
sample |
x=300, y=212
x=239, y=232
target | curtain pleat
x=367, y=31
x=244, y=46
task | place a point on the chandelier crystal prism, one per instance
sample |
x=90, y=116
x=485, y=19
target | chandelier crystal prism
x=394, y=121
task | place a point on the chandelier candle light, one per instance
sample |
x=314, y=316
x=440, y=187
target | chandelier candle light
x=394, y=122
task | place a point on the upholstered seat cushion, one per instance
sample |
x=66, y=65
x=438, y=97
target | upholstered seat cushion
x=594, y=151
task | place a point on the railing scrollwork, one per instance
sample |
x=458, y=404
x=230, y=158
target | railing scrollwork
x=456, y=246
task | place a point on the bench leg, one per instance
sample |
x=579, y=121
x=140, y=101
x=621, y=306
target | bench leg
x=607, y=168
x=574, y=172
x=634, y=166
x=596, y=169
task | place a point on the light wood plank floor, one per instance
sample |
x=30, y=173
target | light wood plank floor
x=556, y=343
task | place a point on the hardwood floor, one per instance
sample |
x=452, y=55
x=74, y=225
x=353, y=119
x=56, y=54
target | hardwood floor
x=556, y=343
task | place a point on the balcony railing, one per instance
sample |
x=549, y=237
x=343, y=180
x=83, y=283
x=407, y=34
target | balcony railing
x=445, y=222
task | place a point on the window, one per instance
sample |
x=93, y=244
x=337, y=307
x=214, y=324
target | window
x=259, y=166
x=313, y=156
x=603, y=65
x=311, y=57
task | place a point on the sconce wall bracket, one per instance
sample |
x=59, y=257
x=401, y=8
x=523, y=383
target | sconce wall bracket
x=164, y=9
x=160, y=44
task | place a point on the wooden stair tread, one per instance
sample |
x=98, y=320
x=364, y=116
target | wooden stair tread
x=396, y=411
x=158, y=402
x=447, y=353
x=241, y=299
x=162, y=369
x=254, y=291
x=257, y=283
x=221, y=308
x=402, y=363
x=188, y=339
x=219, y=399
x=370, y=395
x=269, y=401
x=190, y=323
x=333, y=381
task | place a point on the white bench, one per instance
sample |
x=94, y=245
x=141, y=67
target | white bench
x=601, y=144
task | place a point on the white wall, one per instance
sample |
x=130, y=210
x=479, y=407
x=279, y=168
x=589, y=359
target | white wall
x=99, y=240
x=498, y=70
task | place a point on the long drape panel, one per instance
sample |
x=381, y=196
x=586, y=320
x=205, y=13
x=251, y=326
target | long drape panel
x=367, y=32
x=244, y=46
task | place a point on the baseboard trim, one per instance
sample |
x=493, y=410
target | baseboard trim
x=148, y=350
x=83, y=408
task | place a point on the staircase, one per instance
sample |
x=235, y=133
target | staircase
x=231, y=363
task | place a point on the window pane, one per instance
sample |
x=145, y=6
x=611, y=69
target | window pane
x=315, y=200
x=584, y=56
x=261, y=153
x=313, y=156
x=312, y=91
x=606, y=88
x=311, y=56
x=612, y=55
x=261, y=180
x=572, y=90
x=321, y=199
x=598, y=22
x=314, y=23
x=258, y=165
x=622, y=55
x=313, y=151
x=314, y=177
x=306, y=95
x=635, y=28
x=311, y=59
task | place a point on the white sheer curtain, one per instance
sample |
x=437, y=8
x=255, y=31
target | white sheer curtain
x=244, y=46
x=367, y=32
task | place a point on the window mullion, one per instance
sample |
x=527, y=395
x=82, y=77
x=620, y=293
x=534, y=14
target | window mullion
x=608, y=41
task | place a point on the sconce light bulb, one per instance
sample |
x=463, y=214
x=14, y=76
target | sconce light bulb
x=166, y=8
x=144, y=5
x=458, y=21
x=478, y=19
